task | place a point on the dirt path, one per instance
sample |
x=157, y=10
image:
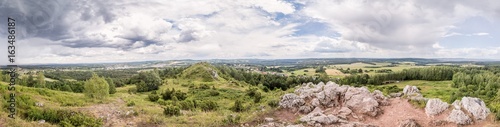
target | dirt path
x=114, y=114
x=401, y=109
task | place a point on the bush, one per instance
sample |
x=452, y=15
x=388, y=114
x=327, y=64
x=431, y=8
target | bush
x=238, y=106
x=257, y=97
x=146, y=81
x=153, y=97
x=187, y=105
x=232, y=119
x=273, y=103
x=208, y=105
x=204, y=86
x=170, y=93
x=171, y=110
x=213, y=93
x=63, y=117
x=131, y=103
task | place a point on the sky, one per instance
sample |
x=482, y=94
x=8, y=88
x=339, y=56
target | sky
x=92, y=31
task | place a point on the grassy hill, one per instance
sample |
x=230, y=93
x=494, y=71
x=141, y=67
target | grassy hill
x=202, y=83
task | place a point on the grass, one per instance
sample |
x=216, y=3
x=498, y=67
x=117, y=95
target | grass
x=229, y=92
x=430, y=89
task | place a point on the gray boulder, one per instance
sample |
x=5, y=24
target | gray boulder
x=476, y=107
x=409, y=90
x=456, y=104
x=291, y=101
x=435, y=106
x=316, y=117
x=459, y=117
x=361, y=101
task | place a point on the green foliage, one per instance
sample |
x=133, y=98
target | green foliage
x=232, y=119
x=40, y=80
x=208, y=105
x=171, y=110
x=153, y=97
x=200, y=72
x=418, y=103
x=112, y=86
x=273, y=103
x=63, y=117
x=96, y=87
x=131, y=103
x=171, y=93
x=146, y=81
x=187, y=105
x=429, y=74
x=238, y=106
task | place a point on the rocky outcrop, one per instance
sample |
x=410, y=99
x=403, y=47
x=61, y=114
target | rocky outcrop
x=409, y=90
x=317, y=117
x=412, y=93
x=435, y=106
x=476, y=107
x=459, y=117
x=361, y=101
x=291, y=101
x=408, y=123
x=346, y=100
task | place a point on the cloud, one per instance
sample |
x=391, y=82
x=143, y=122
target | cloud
x=481, y=34
x=331, y=45
x=93, y=31
x=392, y=24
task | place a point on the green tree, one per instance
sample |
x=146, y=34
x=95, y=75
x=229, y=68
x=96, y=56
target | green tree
x=40, y=80
x=96, y=87
x=151, y=81
x=112, y=86
x=31, y=81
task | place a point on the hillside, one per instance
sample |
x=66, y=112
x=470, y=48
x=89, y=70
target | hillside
x=202, y=95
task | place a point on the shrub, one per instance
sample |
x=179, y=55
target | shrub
x=257, y=97
x=187, y=105
x=131, y=103
x=204, y=86
x=213, y=93
x=232, y=119
x=208, y=105
x=273, y=103
x=63, y=117
x=170, y=93
x=146, y=81
x=238, y=106
x=171, y=110
x=96, y=87
x=153, y=97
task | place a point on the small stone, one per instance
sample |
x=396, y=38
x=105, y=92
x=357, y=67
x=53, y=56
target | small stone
x=267, y=119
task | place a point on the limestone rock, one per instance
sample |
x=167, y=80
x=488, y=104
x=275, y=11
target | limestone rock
x=305, y=109
x=435, y=106
x=344, y=112
x=361, y=101
x=459, y=117
x=476, y=107
x=315, y=102
x=408, y=123
x=456, y=104
x=316, y=117
x=291, y=101
x=268, y=119
x=409, y=90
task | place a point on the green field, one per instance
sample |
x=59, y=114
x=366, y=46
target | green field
x=429, y=89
